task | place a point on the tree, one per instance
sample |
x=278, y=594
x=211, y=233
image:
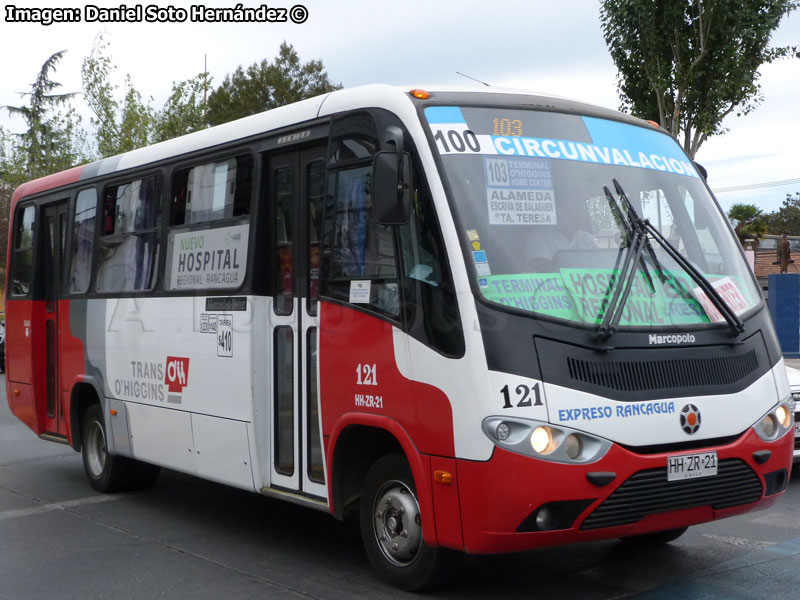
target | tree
x=184, y=111
x=690, y=64
x=52, y=140
x=787, y=218
x=748, y=222
x=121, y=125
x=268, y=85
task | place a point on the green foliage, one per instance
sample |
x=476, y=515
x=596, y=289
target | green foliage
x=787, y=218
x=749, y=222
x=266, y=85
x=184, y=111
x=689, y=64
x=121, y=124
x=52, y=140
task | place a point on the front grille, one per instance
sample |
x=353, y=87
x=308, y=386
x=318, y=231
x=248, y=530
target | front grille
x=648, y=492
x=631, y=376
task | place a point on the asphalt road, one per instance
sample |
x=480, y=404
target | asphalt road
x=191, y=539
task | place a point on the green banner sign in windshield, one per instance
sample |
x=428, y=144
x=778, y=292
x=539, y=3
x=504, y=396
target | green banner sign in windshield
x=583, y=294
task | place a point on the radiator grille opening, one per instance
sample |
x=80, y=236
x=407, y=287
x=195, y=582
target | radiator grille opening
x=629, y=376
x=648, y=492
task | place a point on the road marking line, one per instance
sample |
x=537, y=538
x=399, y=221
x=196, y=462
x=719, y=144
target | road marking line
x=741, y=542
x=24, y=512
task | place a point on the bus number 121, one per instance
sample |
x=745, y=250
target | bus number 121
x=367, y=375
x=523, y=396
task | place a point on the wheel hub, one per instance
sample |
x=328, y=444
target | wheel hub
x=398, y=527
x=96, y=447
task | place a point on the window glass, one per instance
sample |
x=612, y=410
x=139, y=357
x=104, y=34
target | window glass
x=82, y=241
x=22, y=270
x=431, y=306
x=130, y=207
x=360, y=266
x=550, y=206
x=315, y=186
x=127, y=264
x=284, y=417
x=353, y=137
x=212, y=191
x=129, y=248
x=284, y=196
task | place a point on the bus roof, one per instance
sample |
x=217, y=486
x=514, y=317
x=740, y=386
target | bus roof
x=299, y=112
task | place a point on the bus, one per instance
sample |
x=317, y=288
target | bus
x=477, y=321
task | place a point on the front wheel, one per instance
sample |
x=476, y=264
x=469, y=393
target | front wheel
x=391, y=529
x=106, y=473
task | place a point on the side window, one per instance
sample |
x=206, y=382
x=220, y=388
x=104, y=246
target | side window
x=431, y=314
x=22, y=252
x=129, y=242
x=212, y=191
x=360, y=265
x=353, y=137
x=209, y=216
x=82, y=246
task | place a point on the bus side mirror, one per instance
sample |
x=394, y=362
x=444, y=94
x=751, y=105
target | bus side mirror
x=701, y=169
x=391, y=181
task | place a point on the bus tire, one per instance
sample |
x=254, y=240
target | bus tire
x=656, y=538
x=391, y=529
x=106, y=473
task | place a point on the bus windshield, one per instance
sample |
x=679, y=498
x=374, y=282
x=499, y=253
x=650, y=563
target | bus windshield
x=547, y=204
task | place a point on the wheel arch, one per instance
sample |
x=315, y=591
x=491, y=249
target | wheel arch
x=85, y=392
x=358, y=442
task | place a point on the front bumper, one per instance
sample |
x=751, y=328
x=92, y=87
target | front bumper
x=500, y=498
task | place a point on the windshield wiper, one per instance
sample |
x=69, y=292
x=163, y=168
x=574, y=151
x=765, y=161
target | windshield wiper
x=615, y=306
x=638, y=231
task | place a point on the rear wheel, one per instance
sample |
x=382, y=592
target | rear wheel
x=391, y=529
x=655, y=539
x=106, y=473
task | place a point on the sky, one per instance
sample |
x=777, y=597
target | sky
x=549, y=47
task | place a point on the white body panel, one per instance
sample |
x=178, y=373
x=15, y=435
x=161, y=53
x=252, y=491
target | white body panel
x=161, y=436
x=190, y=402
x=652, y=422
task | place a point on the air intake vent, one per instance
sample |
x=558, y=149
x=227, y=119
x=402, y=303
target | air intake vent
x=664, y=374
x=648, y=492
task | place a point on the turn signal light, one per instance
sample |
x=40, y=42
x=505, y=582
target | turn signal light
x=443, y=477
x=421, y=94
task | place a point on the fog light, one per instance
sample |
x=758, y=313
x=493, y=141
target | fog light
x=545, y=518
x=503, y=431
x=542, y=440
x=572, y=446
x=784, y=416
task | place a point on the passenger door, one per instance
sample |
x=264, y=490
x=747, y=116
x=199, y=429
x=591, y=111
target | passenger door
x=296, y=184
x=53, y=234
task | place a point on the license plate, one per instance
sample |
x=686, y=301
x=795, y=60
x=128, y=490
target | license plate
x=689, y=466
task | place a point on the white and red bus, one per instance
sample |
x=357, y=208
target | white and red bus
x=486, y=321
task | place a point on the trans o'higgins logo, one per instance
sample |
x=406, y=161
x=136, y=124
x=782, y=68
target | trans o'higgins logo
x=690, y=418
x=176, y=376
x=686, y=338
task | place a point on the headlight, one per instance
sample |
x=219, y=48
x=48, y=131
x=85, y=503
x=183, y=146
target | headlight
x=544, y=441
x=776, y=422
